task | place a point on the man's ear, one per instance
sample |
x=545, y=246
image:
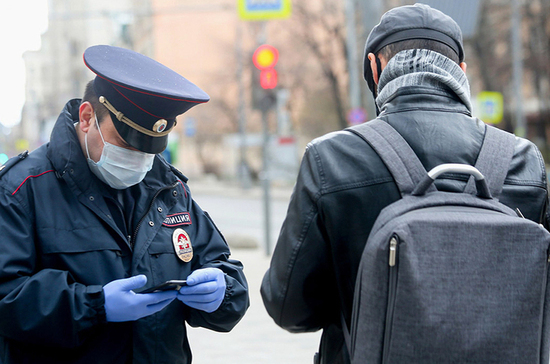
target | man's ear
x=463, y=65
x=373, y=67
x=86, y=116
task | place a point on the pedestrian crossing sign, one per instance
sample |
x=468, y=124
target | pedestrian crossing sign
x=263, y=9
x=491, y=106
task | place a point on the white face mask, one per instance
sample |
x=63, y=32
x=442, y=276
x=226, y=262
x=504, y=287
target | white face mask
x=119, y=167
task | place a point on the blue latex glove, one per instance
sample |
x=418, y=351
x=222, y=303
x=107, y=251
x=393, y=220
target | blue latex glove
x=122, y=304
x=205, y=289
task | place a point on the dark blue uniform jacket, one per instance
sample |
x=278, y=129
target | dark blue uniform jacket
x=64, y=235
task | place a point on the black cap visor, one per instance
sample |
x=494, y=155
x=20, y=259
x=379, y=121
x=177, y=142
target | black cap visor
x=138, y=140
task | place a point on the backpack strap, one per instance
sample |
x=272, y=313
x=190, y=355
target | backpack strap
x=395, y=152
x=494, y=159
x=346, y=332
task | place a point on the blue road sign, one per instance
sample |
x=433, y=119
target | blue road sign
x=264, y=9
x=190, y=127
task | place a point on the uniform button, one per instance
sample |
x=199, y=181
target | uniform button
x=71, y=171
x=92, y=198
x=151, y=223
x=159, y=209
x=175, y=193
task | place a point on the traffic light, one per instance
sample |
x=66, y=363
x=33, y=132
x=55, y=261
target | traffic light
x=265, y=58
x=268, y=78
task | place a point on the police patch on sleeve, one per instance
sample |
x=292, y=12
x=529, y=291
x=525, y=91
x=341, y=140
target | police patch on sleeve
x=179, y=219
x=182, y=245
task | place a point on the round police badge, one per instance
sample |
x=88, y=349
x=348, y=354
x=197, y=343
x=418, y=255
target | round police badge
x=182, y=245
x=160, y=125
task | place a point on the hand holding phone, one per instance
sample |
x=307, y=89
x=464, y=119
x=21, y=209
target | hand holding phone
x=123, y=304
x=205, y=290
x=174, y=284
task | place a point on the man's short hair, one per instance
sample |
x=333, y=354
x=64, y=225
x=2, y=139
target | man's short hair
x=392, y=49
x=91, y=97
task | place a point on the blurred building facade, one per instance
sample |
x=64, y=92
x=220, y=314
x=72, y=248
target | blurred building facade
x=55, y=73
x=192, y=37
x=206, y=42
x=195, y=38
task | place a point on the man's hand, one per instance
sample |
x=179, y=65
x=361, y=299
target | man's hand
x=205, y=289
x=122, y=304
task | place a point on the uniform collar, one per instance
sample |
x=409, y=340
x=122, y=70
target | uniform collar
x=64, y=150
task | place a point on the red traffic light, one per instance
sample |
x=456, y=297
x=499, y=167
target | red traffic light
x=268, y=78
x=265, y=56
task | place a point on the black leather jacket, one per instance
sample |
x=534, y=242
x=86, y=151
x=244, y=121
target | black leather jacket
x=341, y=188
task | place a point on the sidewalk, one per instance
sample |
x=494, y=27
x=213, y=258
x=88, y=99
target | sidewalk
x=256, y=339
x=278, y=191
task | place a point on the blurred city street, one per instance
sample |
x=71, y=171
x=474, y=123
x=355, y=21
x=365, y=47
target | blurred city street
x=275, y=75
x=256, y=339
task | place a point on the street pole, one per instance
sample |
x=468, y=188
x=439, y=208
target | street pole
x=371, y=12
x=266, y=105
x=266, y=182
x=243, y=171
x=517, y=67
x=351, y=44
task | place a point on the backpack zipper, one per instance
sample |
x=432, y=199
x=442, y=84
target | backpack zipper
x=392, y=288
x=393, y=250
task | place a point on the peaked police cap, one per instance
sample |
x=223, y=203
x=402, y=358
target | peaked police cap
x=143, y=96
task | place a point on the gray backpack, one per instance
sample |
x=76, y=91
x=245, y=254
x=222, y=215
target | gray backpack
x=450, y=277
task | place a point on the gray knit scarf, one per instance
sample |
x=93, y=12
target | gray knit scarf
x=422, y=67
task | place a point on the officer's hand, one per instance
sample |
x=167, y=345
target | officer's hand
x=122, y=304
x=205, y=289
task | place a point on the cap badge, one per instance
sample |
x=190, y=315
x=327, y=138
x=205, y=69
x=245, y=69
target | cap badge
x=182, y=245
x=160, y=125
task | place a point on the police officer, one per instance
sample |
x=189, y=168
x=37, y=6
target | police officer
x=95, y=216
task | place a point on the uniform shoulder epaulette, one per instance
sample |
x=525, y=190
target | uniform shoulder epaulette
x=179, y=174
x=12, y=162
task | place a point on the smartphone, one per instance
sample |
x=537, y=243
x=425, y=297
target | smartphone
x=174, y=284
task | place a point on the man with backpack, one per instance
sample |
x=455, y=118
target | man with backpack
x=414, y=65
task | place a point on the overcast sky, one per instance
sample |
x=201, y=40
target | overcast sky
x=21, y=23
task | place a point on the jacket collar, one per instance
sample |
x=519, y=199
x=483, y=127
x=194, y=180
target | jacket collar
x=64, y=150
x=424, y=98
